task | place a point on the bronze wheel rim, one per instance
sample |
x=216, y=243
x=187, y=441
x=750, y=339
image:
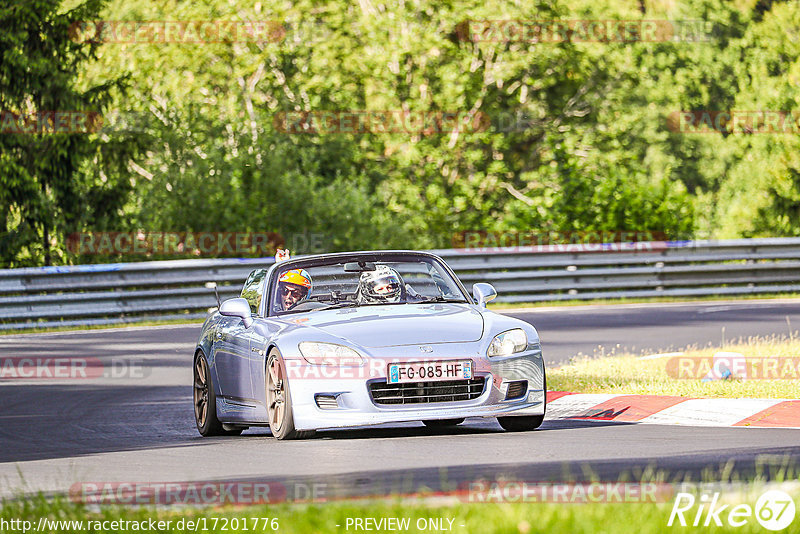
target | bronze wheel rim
x=201, y=391
x=276, y=394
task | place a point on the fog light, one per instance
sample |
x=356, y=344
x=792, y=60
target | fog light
x=516, y=389
x=327, y=402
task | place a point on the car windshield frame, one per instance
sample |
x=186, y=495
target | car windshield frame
x=342, y=258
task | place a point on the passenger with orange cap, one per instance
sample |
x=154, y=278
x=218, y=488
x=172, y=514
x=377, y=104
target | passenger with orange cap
x=293, y=287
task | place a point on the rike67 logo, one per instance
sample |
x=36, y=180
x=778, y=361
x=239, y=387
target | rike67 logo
x=774, y=510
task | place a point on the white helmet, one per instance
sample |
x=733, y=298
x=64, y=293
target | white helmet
x=384, y=284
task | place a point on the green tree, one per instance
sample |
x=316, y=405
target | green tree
x=52, y=182
x=578, y=135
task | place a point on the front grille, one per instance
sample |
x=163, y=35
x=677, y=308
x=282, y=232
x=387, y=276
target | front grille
x=517, y=389
x=427, y=392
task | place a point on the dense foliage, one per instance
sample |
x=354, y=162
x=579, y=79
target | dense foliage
x=570, y=135
x=47, y=173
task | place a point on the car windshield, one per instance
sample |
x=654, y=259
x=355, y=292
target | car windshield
x=354, y=283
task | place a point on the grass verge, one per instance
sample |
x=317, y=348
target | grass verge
x=629, y=374
x=522, y=518
x=164, y=322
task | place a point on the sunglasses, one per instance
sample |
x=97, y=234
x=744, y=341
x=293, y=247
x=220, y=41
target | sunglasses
x=297, y=293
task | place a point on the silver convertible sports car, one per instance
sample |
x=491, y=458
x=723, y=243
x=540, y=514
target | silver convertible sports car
x=363, y=338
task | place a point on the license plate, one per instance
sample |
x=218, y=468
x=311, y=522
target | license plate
x=430, y=371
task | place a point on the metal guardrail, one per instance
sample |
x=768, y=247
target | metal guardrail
x=131, y=292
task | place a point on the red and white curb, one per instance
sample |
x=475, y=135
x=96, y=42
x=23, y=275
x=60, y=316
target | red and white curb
x=665, y=410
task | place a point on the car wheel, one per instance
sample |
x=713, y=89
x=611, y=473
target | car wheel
x=279, y=400
x=520, y=423
x=523, y=423
x=439, y=423
x=205, y=402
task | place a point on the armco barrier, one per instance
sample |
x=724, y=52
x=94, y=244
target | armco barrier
x=131, y=292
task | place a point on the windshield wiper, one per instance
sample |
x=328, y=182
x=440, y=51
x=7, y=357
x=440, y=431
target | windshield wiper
x=442, y=299
x=342, y=304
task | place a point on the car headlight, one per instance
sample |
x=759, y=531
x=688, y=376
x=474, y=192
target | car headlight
x=508, y=343
x=329, y=354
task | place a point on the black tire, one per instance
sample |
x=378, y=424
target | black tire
x=205, y=401
x=524, y=423
x=440, y=423
x=279, y=400
x=520, y=423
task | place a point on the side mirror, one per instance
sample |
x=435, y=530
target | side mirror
x=483, y=293
x=237, y=307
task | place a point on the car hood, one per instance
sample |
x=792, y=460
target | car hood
x=395, y=325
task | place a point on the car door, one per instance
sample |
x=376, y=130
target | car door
x=232, y=357
x=262, y=331
x=235, y=359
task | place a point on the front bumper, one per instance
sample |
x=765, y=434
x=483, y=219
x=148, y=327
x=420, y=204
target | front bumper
x=354, y=405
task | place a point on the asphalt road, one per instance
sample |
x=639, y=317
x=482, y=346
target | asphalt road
x=135, y=422
x=649, y=328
